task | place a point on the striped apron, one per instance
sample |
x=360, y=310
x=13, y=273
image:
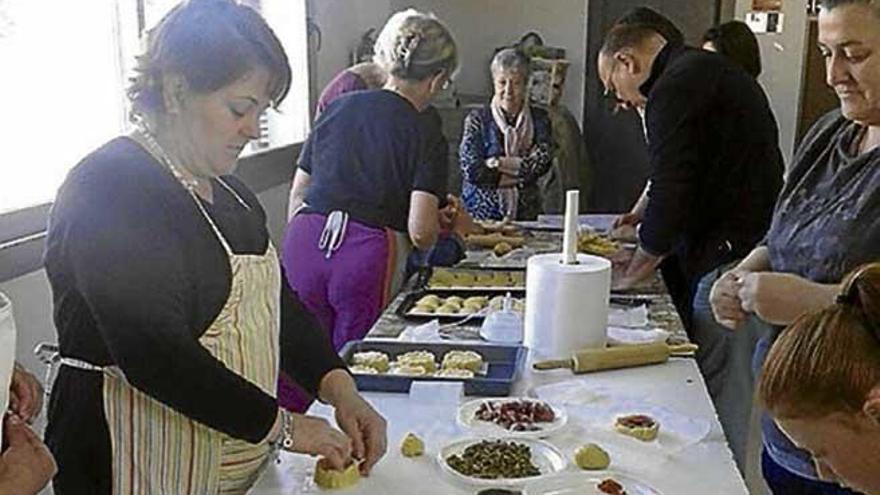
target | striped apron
x=157, y=450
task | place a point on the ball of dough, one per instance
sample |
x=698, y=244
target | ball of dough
x=502, y=248
x=412, y=446
x=592, y=457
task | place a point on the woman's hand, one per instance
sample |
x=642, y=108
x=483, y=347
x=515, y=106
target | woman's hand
x=509, y=165
x=314, y=436
x=26, y=466
x=779, y=298
x=365, y=427
x=724, y=297
x=26, y=394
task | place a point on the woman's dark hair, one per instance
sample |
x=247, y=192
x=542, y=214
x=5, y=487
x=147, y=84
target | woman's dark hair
x=655, y=21
x=736, y=41
x=210, y=43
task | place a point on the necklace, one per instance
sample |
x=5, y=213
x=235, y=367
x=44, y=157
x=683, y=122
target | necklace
x=190, y=183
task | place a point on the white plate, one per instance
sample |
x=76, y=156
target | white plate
x=467, y=411
x=546, y=457
x=585, y=484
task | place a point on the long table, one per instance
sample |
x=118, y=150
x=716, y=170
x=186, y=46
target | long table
x=705, y=467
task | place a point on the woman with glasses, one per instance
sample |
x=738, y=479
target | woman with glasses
x=506, y=146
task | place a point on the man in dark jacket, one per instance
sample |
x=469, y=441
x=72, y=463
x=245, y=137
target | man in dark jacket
x=716, y=168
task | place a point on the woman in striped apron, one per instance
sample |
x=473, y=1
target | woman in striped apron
x=172, y=315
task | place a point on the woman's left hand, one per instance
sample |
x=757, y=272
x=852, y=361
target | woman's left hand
x=356, y=418
x=26, y=397
x=779, y=298
x=366, y=428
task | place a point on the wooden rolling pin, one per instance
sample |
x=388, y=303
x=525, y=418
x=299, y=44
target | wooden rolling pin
x=609, y=358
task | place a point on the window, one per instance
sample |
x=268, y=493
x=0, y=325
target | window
x=61, y=90
x=65, y=71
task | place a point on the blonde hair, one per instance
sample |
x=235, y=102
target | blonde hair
x=415, y=46
x=828, y=361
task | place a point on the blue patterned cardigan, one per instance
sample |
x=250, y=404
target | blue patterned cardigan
x=481, y=140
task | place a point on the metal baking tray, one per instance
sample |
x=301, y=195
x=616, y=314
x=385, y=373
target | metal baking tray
x=516, y=277
x=505, y=363
x=405, y=309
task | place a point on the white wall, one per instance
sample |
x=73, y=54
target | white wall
x=342, y=22
x=783, y=56
x=479, y=26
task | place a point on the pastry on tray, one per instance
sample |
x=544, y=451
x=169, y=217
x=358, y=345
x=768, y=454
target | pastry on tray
x=407, y=370
x=454, y=373
x=592, y=457
x=476, y=302
x=332, y=479
x=592, y=243
x=639, y=426
x=430, y=300
x=372, y=359
x=425, y=359
x=462, y=360
x=448, y=309
x=424, y=309
x=358, y=369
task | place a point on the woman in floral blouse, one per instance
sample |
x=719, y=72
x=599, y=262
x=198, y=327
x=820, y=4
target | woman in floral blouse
x=506, y=147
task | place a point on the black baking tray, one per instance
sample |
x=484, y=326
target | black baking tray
x=410, y=301
x=505, y=363
x=425, y=273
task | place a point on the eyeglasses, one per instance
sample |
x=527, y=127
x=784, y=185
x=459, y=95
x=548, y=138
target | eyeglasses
x=615, y=104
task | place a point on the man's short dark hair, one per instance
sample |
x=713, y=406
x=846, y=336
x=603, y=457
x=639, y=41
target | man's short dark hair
x=654, y=20
x=626, y=36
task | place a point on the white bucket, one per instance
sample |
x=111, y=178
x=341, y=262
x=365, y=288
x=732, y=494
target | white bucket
x=7, y=353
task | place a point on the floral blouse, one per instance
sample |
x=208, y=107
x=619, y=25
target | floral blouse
x=481, y=140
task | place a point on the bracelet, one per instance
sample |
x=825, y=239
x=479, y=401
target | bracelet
x=287, y=430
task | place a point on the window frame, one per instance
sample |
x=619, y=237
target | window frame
x=23, y=231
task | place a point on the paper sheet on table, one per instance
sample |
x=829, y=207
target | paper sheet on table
x=592, y=412
x=635, y=336
x=628, y=317
x=426, y=332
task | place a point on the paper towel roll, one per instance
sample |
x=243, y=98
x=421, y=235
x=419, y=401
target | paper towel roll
x=566, y=305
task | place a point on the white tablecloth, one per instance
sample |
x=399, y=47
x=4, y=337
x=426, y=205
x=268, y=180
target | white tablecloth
x=704, y=468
